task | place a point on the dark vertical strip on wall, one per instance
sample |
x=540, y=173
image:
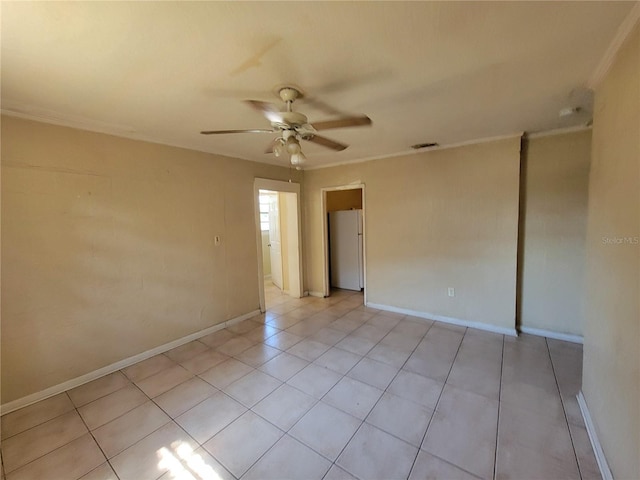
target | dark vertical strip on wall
x=522, y=209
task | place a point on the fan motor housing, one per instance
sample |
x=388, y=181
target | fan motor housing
x=290, y=119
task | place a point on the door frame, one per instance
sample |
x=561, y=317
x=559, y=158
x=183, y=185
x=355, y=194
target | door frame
x=276, y=186
x=325, y=234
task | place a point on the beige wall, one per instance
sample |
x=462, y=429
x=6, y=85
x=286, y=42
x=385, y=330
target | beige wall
x=611, y=367
x=439, y=219
x=344, y=200
x=108, y=250
x=556, y=172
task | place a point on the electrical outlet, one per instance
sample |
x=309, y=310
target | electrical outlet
x=452, y=292
x=216, y=240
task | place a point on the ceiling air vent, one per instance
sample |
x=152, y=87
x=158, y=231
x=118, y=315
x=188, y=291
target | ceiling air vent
x=418, y=146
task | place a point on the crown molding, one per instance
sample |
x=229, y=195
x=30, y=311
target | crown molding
x=417, y=152
x=625, y=28
x=558, y=131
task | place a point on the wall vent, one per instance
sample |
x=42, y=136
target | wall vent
x=418, y=146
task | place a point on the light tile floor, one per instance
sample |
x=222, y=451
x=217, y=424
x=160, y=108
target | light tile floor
x=318, y=388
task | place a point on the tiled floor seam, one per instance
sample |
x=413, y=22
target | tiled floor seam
x=201, y=444
x=51, y=451
x=438, y=401
x=107, y=459
x=41, y=423
x=333, y=462
x=378, y=401
x=564, y=411
x=288, y=429
x=135, y=443
x=91, y=433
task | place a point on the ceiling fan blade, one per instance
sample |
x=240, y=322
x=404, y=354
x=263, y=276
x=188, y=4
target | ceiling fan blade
x=267, y=109
x=326, y=142
x=218, y=132
x=342, y=122
x=322, y=106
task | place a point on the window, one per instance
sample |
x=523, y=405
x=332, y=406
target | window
x=264, y=212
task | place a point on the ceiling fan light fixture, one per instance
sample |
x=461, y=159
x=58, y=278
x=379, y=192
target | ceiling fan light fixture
x=293, y=146
x=279, y=148
x=298, y=159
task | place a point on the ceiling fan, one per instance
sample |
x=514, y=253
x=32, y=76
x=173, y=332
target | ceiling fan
x=294, y=126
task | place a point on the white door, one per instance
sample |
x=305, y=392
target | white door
x=344, y=243
x=274, y=241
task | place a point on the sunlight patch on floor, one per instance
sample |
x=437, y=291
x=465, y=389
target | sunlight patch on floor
x=184, y=464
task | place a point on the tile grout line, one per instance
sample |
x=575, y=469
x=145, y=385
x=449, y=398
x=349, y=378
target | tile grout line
x=333, y=462
x=377, y=401
x=438, y=402
x=75, y=409
x=172, y=420
x=201, y=445
x=218, y=390
x=564, y=412
x=495, y=456
x=424, y=435
x=285, y=432
x=107, y=460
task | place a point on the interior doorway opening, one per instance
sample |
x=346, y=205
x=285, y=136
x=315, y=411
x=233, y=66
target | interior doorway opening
x=344, y=238
x=278, y=230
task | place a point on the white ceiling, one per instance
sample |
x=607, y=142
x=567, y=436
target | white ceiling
x=445, y=72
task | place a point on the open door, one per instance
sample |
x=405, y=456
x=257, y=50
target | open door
x=345, y=249
x=275, y=243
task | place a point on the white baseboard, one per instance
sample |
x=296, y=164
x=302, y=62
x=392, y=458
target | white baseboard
x=453, y=321
x=101, y=372
x=316, y=294
x=593, y=436
x=551, y=334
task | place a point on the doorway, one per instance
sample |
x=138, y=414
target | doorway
x=278, y=239
x=344, y=246
x=269, y=202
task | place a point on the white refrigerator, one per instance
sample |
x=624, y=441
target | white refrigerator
x=345, y=249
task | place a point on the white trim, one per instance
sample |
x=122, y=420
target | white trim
x=315, y=294
x=625, y=28
x=440, y=318
x=605, y=471
x=558, y=131
x=417, y=152
x=101, y=372
x=540, y=332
